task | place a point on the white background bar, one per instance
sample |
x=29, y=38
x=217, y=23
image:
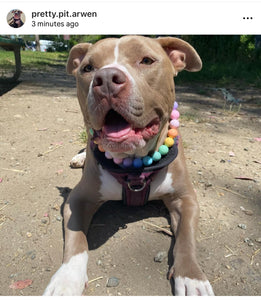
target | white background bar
x=135, y=17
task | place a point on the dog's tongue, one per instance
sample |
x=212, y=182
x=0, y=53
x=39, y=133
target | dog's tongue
x=115, y=125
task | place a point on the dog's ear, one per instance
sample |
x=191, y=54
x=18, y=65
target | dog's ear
x=76, y=55
x=182, y=55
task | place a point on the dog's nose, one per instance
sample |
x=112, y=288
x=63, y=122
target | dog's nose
x=109, y=82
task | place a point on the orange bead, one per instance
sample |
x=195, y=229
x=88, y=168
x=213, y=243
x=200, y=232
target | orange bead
x=172, y=133
x=101, y=148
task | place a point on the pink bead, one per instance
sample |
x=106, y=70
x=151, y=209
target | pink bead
x=117, y=160
x=174, y=114
x=174, y=123
x=108, y=155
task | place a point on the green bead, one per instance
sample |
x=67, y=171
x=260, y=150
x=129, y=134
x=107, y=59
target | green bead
x=163, y=149
x=156, y=156
x=91, y=132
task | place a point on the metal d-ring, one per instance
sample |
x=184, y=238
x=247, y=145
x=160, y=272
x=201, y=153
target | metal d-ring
x=132, y=188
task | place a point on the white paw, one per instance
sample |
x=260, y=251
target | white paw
x=185, y=286
x=70, y=279
x=78, y=160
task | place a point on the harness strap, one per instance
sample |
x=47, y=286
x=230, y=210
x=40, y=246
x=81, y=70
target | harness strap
x=135, y=182
x=135, y=188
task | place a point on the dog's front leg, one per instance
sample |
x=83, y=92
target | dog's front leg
x=71, y=278
x=188, y=276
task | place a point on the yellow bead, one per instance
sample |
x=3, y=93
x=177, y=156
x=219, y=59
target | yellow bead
x=172, y=133
x=169, y=142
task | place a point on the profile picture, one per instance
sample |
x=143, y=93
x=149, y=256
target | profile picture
x=15, y=18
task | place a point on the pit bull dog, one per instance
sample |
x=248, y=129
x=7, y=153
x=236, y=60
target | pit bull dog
x=126, y=93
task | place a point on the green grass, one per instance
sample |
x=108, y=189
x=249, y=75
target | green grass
x=237, y=73
x=33, y=60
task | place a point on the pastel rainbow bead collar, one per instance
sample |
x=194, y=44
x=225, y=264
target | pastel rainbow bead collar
x=170, y=140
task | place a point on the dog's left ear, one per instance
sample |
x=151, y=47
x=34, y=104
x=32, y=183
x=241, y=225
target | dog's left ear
x=182, y=55
x=76, y=56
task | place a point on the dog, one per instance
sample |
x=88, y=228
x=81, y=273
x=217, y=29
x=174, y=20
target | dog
x=126, y=94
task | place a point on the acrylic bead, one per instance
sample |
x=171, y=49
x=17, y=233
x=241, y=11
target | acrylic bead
x=163, y=149
x=108, y=155
x=169, y=142
x=175, y=105
x=117, y=161
x=174, y=114
x=147, y=160
x=127, y=162
x=172, y=133
x=91, y=132
x=156, y=156
x=137, y=163
x=101, y=148
x=174, y=124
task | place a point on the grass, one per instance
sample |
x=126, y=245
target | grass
x=236, y=73
x=33, y=60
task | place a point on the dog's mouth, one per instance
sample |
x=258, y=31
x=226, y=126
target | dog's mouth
x=119, y=135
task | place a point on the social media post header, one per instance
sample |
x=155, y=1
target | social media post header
x=129, y=17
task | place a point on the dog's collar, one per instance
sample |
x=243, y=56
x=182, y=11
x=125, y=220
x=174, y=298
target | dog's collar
x=136, y=175
x=135, y=182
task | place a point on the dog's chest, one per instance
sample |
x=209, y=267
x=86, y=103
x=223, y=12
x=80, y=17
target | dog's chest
x=111, y=189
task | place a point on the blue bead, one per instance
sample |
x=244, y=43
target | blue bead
x=137, y=163
x=156, y=156
x=147, y=160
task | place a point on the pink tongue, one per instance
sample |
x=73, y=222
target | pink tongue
x=115, y=125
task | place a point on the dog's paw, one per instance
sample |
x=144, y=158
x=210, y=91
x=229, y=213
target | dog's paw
x=70, y=279
x=185, y=286
x=78, y=160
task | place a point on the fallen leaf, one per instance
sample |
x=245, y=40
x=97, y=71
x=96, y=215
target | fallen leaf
x=21, y=284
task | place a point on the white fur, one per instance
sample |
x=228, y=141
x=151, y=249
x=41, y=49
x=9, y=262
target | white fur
x=71, y=278
x=78, y=160
x=162, y=184
x=110, y=188
x=116, y=52
x=185, y=286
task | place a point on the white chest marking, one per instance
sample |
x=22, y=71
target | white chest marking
x=110, y=188
x=161, y=185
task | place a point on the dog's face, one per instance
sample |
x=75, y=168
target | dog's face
x=126, y=88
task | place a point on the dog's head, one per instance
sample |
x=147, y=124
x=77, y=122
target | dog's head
x=126, y=90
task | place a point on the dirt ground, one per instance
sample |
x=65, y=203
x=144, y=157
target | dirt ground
x=40, y=123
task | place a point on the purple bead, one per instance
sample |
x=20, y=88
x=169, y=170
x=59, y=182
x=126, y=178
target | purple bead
x=127, y=162
x=175, y=105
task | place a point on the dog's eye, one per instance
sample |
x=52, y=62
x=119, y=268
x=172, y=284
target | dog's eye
x=147, y=61
x=88, y=68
